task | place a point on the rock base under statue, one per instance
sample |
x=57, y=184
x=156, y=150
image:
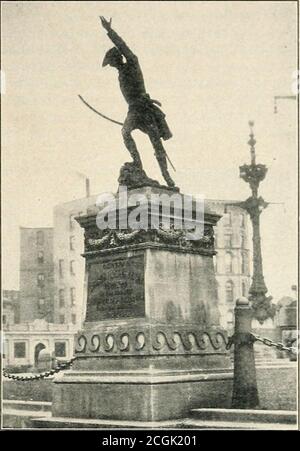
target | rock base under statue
x=151, y=348
x=133, y=177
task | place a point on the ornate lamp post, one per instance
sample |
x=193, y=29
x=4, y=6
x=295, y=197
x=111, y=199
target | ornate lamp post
x=254, y=174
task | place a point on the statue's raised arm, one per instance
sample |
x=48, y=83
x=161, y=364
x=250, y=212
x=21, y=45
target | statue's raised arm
x=117, y=40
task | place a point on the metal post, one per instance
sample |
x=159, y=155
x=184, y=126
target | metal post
x=253, y=174
x=245, y=394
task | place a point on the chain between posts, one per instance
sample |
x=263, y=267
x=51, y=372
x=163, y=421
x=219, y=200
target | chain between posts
x=251, y=338
x=234, y=339
x=61, y=366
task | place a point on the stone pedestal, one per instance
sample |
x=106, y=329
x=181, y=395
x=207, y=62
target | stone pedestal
x=151, y=347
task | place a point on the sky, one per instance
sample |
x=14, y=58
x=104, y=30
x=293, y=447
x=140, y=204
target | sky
x=213, y=65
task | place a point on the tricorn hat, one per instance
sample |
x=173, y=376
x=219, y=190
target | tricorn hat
x=110, y=54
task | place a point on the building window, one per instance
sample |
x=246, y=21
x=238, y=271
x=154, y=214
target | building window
x=227, y=218
x=41, y=303
x=229, y=291
x=228, y=263
x=60, y=349
x=72, y=243
x=73, y=318
x=228, y=240
x=242, y=220
x=244, y=289
x=20, y=350
x=244, y=266
x=72, y=222
x=61, y=295
x=72, y=267
x=40, y=280
x=4, y=319
x=243, y=242
x=40, y=238
x=61, y=319
x=230, y=318
x=73, y=296
x=40, y=257
x=61, y=268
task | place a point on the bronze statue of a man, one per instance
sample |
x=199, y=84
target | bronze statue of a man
x=143, y=112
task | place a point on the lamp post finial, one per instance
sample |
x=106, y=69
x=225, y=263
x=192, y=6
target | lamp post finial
x=252, y=142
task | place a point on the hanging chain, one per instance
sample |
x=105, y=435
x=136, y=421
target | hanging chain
x=279, y=346
x=61, y=366
x=251, y=338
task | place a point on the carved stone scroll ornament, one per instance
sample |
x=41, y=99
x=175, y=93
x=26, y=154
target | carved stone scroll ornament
x=152, y=341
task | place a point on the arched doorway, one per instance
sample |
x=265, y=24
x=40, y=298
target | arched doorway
x=37, y=351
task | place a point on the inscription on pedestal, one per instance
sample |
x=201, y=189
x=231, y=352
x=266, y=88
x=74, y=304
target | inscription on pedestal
x=116, y=289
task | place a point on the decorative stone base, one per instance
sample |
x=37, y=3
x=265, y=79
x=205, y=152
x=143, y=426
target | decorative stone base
x=140, y=395
x=144, y=372
x=151, y=347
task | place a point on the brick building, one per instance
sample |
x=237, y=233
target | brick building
x=68, y=263
x=36, y=274
x=232, y=262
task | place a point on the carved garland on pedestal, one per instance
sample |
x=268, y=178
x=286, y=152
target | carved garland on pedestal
x=113, y=238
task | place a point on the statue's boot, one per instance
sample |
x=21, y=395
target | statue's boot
x=136, y=159
x=162, y=161
x=160, y=155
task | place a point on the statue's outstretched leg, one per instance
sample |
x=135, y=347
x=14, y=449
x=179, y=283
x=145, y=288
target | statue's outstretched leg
x=127, y=128
x=160, y=156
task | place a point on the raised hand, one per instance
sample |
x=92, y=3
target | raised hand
x=105, y=23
